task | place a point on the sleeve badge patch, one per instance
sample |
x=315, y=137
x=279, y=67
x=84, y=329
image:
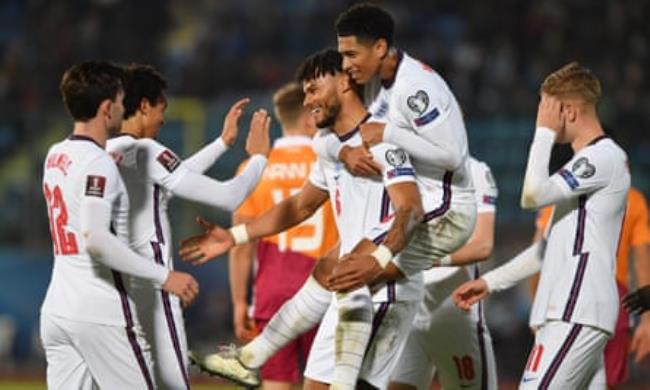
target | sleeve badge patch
x=95, y=185
x=569, y=178
x=168, y=160
x=419, y=102
x=396, y=157
x=583, y=168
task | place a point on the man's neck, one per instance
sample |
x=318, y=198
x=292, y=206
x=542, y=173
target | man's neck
x=131, y=127
x=296, y=131
x=92, y=129
x=591, y=129
x=349, y=117
x=388, y=68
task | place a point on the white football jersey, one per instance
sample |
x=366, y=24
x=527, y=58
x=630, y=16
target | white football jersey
x=150, y=171
x=82, y=288
x=361, y=203
x=485, y=195
x=419, y=101
x=578, y=282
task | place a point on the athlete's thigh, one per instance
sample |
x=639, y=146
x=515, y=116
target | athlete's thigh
x=118, y=357
x=565, y=355
x=391, y=324
x=66, y=368
x=440, y=236
x=414, y=366
x=462, y=349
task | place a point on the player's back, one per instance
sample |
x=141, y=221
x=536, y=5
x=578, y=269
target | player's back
x=419, y=98
x=289, y=164
x=578, y=274
x=81, y=287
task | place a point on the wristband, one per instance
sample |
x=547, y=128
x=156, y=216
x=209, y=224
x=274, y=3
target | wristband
x=443, y=262
x=239, y=234
x=383, y=255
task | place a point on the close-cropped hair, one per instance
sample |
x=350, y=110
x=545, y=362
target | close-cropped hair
x=324, y=62
x=86, y=85
x=287, y=104
x=367, y=22
x=142, y=82
x=573, y=81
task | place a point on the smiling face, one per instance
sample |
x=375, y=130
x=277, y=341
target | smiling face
x=322, y=99
x=361, y=60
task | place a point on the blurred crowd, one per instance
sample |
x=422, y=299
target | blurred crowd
x=493, y=53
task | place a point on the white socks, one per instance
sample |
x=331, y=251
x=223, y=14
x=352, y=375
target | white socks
x=296, y=316
x=352, y=336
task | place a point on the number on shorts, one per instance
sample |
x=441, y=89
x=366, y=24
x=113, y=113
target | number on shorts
x=465, y=367
x=535, y=358
x=65, y=243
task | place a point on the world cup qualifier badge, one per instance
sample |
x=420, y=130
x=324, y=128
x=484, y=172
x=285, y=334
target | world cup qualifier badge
x=168, y=160
x=583, y=168
x=419, y=102
x=95, y=186
x=396, y=157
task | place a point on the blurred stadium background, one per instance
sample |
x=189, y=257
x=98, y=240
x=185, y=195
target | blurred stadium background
x=493, y=53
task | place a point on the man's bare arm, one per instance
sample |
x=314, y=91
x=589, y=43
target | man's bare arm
x=288, y=213
x=480, y=245
x=407, y=203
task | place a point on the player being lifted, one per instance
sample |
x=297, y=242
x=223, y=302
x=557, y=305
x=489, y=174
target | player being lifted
x=576, y=304
x=89, y=328
x=419, y=114
x=330, y=105
x=153, y=174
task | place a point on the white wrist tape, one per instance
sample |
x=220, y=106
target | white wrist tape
x=445, y=261
x=239, y=234
x=383, y=255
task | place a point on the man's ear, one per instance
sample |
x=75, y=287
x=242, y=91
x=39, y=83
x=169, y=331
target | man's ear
x=345, y=82
x=145, y=106
x=104, y=109
x=570, y=111
x=380, y=47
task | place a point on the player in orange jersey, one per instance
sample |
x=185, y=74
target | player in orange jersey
x=635, y=237
x=283, y=261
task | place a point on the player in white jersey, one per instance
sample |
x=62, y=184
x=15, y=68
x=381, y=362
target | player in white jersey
x=153, y=174
x=576, y=304
x=419, y=112
x=89, y=327
x=455, y=344
x=334, y=103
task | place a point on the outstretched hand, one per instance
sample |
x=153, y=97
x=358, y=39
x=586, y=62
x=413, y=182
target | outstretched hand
x=638, y=301
x=469, y=293
x=231, y=121
x=204, y=247
x=259, y=141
